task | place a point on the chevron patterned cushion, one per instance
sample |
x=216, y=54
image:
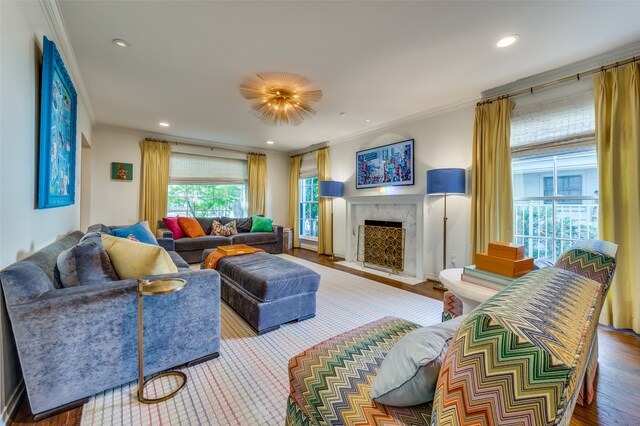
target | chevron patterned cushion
x=331, y=382
x=520, y=357
x=595, y=259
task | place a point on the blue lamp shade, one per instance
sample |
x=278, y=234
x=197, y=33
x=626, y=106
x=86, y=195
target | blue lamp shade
x=331, y=188
x=445, y=181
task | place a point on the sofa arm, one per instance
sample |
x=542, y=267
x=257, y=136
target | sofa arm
x=279, y=230
x=66, y=333
x=164, y=233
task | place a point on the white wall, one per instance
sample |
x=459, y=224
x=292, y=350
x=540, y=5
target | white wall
x=111, y=144
x=23, y=228
x=443, y=140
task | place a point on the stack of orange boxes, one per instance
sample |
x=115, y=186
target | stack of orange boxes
x=505, y=259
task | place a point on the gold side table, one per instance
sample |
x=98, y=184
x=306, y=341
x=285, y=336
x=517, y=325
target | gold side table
x=155, y=288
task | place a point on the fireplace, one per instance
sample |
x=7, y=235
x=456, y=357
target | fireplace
x=381, y=243
x=406, y=209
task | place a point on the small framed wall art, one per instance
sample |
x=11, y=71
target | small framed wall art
x=58, y=112
x=122, y=171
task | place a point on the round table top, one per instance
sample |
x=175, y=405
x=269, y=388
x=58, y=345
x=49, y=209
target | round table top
x=163, y=286
x=451, y=278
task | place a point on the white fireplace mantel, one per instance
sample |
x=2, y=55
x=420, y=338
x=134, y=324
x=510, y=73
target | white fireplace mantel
x=417, y=255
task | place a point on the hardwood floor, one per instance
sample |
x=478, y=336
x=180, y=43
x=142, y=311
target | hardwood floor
x=617, y=387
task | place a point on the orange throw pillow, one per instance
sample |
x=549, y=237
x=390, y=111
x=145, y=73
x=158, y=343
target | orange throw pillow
x=191, y=227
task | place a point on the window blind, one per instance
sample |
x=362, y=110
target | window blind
x=201, y=169
x=558, y=124
x=308, y=166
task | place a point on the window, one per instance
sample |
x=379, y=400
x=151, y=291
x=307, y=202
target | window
x=202, y=186
x=202, y=200
x=309, y=207
x=555, y=174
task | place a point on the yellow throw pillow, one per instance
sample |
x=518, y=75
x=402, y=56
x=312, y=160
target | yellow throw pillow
x=132, y=259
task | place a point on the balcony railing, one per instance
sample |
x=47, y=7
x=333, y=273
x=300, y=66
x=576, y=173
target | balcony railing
x=549, y=226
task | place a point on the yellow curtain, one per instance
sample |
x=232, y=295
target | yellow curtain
x=154, y=184
x=325, y=206
x=491, y=197
x=617, y=105
x=293, y=216
x=257, y=169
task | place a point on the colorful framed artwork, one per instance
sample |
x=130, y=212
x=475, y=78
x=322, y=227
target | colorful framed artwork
x=122, y=171
x=58, y=112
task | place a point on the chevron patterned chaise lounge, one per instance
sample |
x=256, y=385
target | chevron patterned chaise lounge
x=520, y=358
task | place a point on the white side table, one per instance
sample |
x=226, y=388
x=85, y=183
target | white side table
x=470, y=294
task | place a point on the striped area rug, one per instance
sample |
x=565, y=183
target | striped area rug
x=248, y=384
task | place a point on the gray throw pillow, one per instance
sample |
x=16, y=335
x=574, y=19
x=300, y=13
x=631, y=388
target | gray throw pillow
x=409, y=372
x=244, y=224
x=85, y=263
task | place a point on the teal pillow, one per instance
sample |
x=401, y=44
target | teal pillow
x=410, y=370
x=261, y=224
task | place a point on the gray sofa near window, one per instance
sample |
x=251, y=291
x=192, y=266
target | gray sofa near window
x=191, y=248
x=77, y=341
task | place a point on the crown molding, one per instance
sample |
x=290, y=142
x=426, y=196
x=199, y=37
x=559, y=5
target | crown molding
x=422, y=115
x=53, y=15
x=187, y=141
x=610, y=57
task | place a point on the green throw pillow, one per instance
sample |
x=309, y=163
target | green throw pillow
x=261, y=224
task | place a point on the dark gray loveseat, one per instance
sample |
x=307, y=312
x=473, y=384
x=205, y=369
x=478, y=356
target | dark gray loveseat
x=191, y=248
x=77, y=341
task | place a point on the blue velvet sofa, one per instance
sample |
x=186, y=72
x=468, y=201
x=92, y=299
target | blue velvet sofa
x=77, y=341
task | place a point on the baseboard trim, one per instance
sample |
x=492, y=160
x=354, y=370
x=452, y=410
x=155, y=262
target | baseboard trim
x=11, y=409
x=433, y=277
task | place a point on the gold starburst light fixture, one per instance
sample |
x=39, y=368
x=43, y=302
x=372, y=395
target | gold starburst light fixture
x=279, y=99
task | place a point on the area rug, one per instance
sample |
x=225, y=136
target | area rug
x=248, y=384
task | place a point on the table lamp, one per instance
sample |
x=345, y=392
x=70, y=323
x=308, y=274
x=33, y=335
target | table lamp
x=331, y=189
x=445, y=182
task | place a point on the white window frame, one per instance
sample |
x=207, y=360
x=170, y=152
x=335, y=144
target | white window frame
x=554, y=204
x=300, y=203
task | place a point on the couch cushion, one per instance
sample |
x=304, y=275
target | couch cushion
x=268, y=277
x=201, y=243
x=409, y=372
x=132, y=259
x=191, y=227
x=172, y=225
x=85, y=263
x=261, y=224
x=254, y=238
x=139, y=231
x=225, y=230
x=243, y=224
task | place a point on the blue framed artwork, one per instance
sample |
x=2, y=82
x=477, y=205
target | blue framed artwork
x=58, y=112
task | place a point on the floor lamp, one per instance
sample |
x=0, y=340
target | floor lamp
x=445, y=182
x=331, y=189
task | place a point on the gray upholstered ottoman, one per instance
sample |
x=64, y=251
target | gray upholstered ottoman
x=266, y=290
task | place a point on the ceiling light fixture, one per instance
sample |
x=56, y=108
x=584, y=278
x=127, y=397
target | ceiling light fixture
x=278, y=99
x=367, y=120
x=507, y=41
x=342, y=114
x=270, y=142
x=121, y=43
x=164, y=124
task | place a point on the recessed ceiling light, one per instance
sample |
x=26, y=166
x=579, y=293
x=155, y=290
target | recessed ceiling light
x=508, y=40
x=270, y=142
x=367, y=120
x=121, y=43
x=342, y=114
x=164, y=124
